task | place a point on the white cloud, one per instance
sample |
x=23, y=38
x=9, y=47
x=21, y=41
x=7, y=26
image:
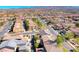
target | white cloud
x=40, y=2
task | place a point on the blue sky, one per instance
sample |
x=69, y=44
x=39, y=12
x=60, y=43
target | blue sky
x=9, y=7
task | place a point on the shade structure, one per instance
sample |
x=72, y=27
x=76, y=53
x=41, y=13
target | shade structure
x=20, y=42
x=3, y=44
x=12, y=43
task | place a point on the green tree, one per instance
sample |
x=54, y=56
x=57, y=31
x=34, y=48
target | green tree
x=75, y=50
x=65, y=49
x=40, y=24
x=60, y=40
x=77, y=24
x=1, y=23
x=35, y=41
x=27, y=24
x=77, y=39
x=69, y=35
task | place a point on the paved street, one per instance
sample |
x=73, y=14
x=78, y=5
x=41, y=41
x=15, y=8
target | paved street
x=6, y=28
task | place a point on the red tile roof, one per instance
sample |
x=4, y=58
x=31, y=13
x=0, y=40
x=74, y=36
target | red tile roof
x=74, y=29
